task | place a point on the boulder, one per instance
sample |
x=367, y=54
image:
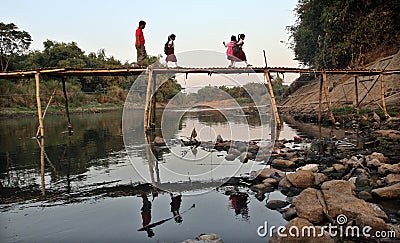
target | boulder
x=353, y=161
x=158, y=141
x=379, y=156
x=301, y=178
x=276, y=204
x=374, y=163
x=282, y=163
x=328, y=170
x=389, y=192
x=234, y=152
x=362, y=181
x=308, y=206
x=263, y=187
x=339, y=167
x=289, y=213
x=375, y=223
x=230, y=157
x=319, y=178
x=339, y=186
x=389, y=168
x=378, y=211
x=364, y=195
x=392, y=179
x=285, y=183
x=270, y=172
x=311, y=167
x=339, y=199
x=270, y=181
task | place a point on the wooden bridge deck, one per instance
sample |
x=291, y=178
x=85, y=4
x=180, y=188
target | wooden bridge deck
x=62, y=72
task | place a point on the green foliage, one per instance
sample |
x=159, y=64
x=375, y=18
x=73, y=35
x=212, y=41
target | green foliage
x=346, y=110
x=279, y=88
x=168, y=90
x=13, y=43
x=338, y=33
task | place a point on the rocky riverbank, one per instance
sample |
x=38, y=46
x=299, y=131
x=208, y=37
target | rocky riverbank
x=334, y=182
x=347, y=183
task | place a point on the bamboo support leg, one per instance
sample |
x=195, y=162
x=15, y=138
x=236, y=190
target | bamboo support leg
x=39, y=106
x=42, y=166
x=147, y=109
x=66, y=107
x=153, y=103
x=328, y=100
x=320, y=102
x=150, y=161
x=356, y=92
x=274, y=107
x=45, y=110
x=383, y=96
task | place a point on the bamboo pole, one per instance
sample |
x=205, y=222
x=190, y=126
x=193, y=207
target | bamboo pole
x=147, y=109
x=328, y=100
x=69, y=125
x=39, y=106
x=274, y=107
x=383, y=96
x=42, y=166
x=45, y=110
x=150, y=157
x=320, y=102
x=372, y=98
x=153, y=104
x=356, y=92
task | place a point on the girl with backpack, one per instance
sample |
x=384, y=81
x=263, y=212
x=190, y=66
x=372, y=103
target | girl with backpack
x=169, y=50
x=229, y=51
x=239, y=54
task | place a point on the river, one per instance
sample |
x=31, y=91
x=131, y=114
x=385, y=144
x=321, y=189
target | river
x=62, y=201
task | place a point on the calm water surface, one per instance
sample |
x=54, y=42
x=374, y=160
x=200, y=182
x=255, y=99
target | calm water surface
x=95, y=157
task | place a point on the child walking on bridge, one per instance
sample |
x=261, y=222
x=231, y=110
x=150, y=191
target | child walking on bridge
x=239, y=54
x=229, y=51
x=169, y=50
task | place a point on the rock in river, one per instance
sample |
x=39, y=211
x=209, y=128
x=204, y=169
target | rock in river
x=308, y=206
x=158, y=141
x=270, y=172
x=282, y=163
x=276, y=204
x=389, y=192
x=339, y=199
x=392, y=179
x=301, y=178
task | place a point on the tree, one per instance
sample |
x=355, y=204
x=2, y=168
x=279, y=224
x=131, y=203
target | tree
x=339, y=33
x=13, y=42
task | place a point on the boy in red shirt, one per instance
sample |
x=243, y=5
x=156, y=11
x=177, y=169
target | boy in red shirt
x=141, y=50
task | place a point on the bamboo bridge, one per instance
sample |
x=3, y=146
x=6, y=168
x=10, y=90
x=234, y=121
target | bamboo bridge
x=152, y=72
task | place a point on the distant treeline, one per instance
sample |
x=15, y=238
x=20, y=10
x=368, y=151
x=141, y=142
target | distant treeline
x=90, y=92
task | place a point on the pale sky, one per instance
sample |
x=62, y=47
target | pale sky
x=198, y=25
